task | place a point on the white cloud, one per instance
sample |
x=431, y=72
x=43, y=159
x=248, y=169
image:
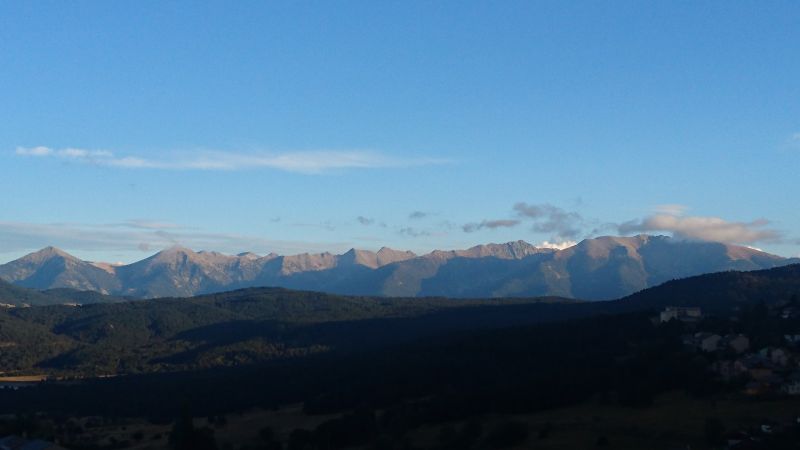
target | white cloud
x=74, y=153
x=33, y=151
x=672, y=209
x=703, y=228
x=557, y=245
x=308, y=162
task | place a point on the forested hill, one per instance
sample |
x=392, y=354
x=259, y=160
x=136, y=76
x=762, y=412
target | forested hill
x=18, y=296
x=13, y=295
x=722, y=292
x=244, y=326
x=264, y=324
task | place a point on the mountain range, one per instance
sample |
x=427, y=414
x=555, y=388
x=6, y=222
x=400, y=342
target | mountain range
x=600, y=268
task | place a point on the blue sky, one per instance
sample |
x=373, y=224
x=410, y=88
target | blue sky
x=309, y=126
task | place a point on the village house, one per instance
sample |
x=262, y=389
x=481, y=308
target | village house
x=684, y=314
x=708, y=342
x=790, y=312
x=793, y=339
x=739, y=343
x=777, y=356
x=792, y=384
x=756, y=366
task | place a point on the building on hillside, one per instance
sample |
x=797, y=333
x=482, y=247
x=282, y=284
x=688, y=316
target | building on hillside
x=739, y=343
x=19, y=443
x=777, y=356
x=756, y=366
x=793, y=339
x=792, y=384
x=729, y=369
x=707, y=342
x=684, y=314
x=790, y=312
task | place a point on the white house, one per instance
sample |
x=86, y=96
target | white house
x=685, y=314
x=739, y=343
x=709, y=342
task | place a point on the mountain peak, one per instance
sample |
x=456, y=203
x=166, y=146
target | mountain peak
x=389, y=250
x=170, y=255
x=388, y=255
x=48, y=253
x=509, y=250
x=177, y=248
x=52, y=267
x=359, y=257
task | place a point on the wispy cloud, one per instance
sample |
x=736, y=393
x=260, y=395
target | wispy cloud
x=366, y=221
x=490, y=224
x=308, y=162
x=34, y=151
x=413, y=232
x=144, y=224
x=140, y=235
x=416, y=215
x=704, y=228
x=673, y=209
x=326, y=225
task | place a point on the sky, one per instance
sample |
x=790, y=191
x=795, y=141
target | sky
x=305, y=126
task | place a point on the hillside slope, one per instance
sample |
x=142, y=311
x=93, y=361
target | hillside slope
x=265, y=324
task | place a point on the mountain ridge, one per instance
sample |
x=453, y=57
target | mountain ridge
x=600, y=268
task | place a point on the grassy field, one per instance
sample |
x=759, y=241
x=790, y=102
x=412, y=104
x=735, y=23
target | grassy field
x=240, y=429
x=675, y=421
